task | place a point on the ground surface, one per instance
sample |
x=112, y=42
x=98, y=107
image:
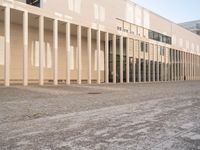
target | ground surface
x=114, y=117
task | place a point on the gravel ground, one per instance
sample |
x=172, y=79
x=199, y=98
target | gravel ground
x=156, y=116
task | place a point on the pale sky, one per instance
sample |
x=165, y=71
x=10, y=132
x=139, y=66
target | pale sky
x=175, y=10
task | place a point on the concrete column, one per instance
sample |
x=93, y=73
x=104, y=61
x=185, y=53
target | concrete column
x=114, y=58
x=55, y=47
x=144, y=62
x=25, y=48
x=127, y=60
x=98, y=56
x=158, y=68
x=89, y=46
x=198, y=67
x=41, y=49
x=186, y=66
x=196, y=70
x=178, y=67
x=106, y=57
x=154, y=73
x=197, y=73
x=139, y=62
x=181, y=65
x=165, y=62
x=7, y=47
x=149, y=61
x=190, y=64
x=172, y=64
x=121, y=59
x=198, y=62
x=194, y=65
x=79, y=54
x=133, y=61
x=68, y=50
x=175, y=62
x=169, y=70
x=161, y=68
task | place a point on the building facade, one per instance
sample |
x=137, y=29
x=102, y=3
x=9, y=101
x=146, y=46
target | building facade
x=92, y=41
x=193, y=26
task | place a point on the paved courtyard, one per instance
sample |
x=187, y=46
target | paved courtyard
x=160, y=116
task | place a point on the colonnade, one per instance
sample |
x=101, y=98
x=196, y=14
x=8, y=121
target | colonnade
x=172, y=65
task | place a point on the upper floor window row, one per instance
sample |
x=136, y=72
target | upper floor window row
x=159, y=37
x=33, y=2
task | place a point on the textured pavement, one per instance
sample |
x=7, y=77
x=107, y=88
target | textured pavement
x=156, y=116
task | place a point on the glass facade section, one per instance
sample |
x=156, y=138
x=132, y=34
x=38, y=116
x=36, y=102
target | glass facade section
x=159, y=37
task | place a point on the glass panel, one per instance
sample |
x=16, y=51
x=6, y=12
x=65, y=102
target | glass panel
x=33, y=2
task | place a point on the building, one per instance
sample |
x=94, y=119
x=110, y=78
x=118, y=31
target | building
x=193, y=26
x=92, y=41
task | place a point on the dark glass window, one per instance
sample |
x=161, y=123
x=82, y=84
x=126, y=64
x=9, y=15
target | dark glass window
x=147, y=47
x=156, y=36
x=159, y=37
x=33, y=2
x=169, y=40
x=164, y=39
x=142, y=46
x=119, y=28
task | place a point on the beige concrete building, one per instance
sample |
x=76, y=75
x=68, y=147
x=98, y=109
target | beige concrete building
x=92, y=41
x=193, y=26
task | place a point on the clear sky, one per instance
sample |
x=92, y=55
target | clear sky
x=175, y=10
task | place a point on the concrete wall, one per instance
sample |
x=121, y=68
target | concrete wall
x=103, y=13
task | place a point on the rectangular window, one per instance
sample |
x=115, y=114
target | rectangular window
x=119, y=28
x=33, y=2
x=164, y=39
x=156, y=36
x=142, y=46
x=159, y=37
